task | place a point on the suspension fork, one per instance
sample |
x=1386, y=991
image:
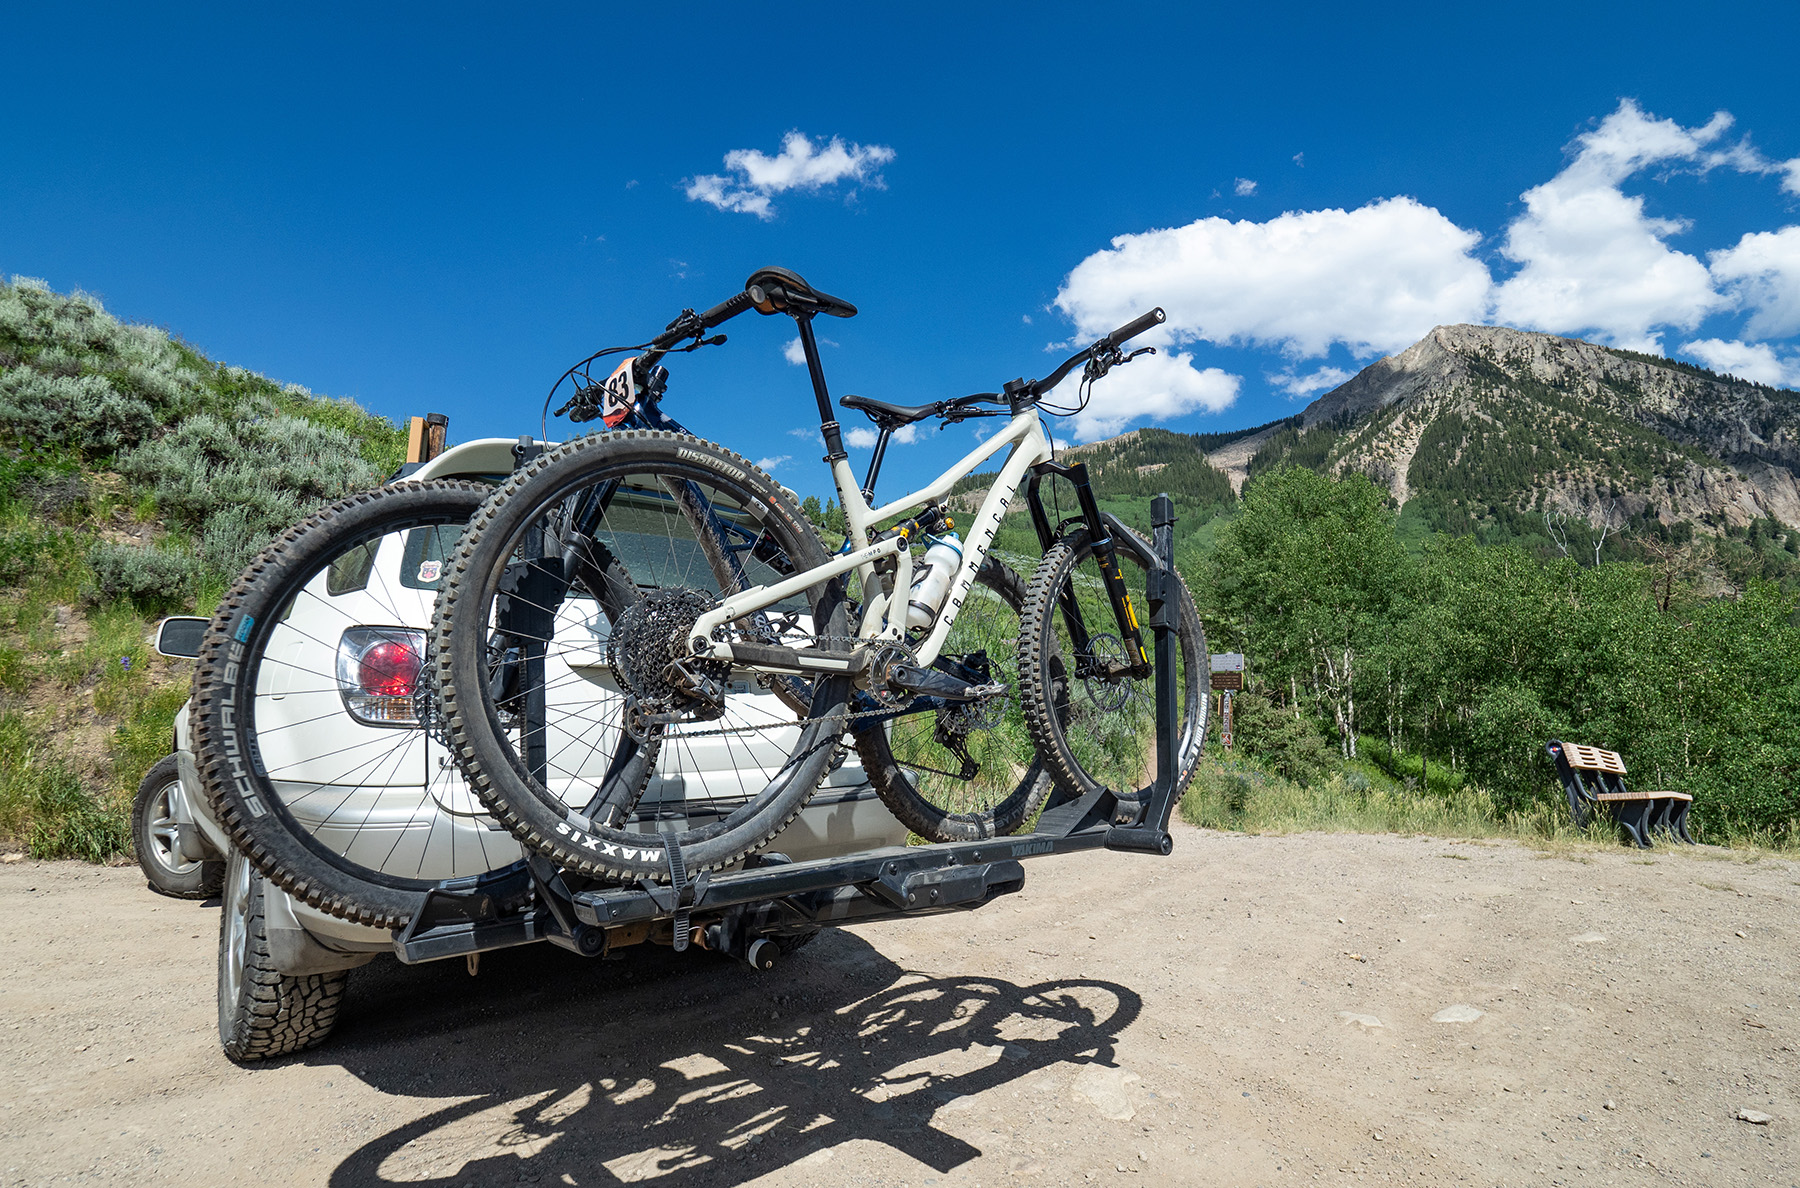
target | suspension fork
x=1100, y=542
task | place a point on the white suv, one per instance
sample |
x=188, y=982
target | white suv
x=411, y=813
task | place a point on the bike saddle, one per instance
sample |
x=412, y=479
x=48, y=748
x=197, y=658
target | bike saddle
x=890, y=416
x=776, y=290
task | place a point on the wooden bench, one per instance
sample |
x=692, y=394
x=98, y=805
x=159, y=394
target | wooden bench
x=1595, y=778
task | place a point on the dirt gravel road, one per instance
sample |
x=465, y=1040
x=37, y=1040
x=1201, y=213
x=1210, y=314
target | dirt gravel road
x=1252, y=1010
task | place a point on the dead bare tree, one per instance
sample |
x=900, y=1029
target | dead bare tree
x=1605, y=528
x=1556, y=527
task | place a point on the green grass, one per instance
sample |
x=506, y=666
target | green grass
x=43, y=803
x=1238, y=793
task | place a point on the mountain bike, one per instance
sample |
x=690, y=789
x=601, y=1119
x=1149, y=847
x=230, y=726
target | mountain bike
x=731, y=590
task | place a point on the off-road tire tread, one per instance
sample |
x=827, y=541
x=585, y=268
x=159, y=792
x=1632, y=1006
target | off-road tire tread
x=461, y=581
x=278, y=1014
x=328, y=889
x=1039, y=617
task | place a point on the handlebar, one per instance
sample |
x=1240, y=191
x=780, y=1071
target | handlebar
x=1106, y=345
x=692, y=325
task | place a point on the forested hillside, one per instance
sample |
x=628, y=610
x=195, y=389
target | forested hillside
x=1565, y=447
x=1495, y=538
x=136, y=477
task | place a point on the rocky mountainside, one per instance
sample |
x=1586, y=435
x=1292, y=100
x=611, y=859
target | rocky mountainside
x=1480, y=427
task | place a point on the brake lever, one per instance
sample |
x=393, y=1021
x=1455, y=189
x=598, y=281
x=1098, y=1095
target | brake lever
x=586, y=407
x=1098, y=365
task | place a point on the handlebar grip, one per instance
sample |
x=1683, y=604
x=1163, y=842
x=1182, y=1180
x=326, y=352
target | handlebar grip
x=725, y=310
x=1135, y=327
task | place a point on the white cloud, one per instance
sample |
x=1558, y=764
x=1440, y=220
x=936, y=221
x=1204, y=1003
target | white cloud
x=1592, y=261
x=1763, y=273
x=794, y=353
x=1375, y=279
x=1243, y=187
x=862, y=437
x=1026, y=318
x=1159, y=386
x=1756, y=361
x=809, y=433
x=752, y=177
x=772, y=463
x=1296, y=385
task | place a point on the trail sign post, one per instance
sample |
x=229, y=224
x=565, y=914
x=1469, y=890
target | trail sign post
x=1227, y=678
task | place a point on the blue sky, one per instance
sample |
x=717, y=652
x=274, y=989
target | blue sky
x=440, y=208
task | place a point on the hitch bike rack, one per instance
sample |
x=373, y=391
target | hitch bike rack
x=746, y=912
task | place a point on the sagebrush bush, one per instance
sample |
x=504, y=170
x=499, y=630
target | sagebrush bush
x=153, y=579
x=230, y=457
x=83, y=379
x=237, y=482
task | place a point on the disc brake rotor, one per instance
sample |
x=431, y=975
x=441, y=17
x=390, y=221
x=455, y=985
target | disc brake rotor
x=1108, y=695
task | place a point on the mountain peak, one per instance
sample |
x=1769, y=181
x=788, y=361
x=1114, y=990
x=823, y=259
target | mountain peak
x=1488, y=422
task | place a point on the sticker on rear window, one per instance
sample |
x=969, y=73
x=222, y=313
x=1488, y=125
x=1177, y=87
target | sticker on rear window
x=430, y=571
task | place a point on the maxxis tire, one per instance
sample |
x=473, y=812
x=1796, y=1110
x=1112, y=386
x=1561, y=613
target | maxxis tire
x=257, y=822
x=1043, y=716
x=900, y=792
x=166, y=872
x=458, y=644
x=264, y=1013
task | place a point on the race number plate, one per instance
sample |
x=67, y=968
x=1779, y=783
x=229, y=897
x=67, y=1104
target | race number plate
x=621, y=395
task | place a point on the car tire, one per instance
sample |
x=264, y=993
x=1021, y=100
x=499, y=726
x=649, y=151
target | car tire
x=153, y=838
x=263, y=1012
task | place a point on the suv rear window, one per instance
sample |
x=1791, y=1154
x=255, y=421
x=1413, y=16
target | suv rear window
x=422, y=565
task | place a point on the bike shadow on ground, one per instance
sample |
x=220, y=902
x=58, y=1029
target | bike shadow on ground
x=688, y=1068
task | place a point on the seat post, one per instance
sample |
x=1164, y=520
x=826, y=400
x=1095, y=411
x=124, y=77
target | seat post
x=828, y=426
x=883, y=433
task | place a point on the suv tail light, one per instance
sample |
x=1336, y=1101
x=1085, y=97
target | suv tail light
x=378, y=671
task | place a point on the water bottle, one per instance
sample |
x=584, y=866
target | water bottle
x=937, y=569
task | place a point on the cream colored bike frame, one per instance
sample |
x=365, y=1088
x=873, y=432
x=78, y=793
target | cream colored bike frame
x=884, y=612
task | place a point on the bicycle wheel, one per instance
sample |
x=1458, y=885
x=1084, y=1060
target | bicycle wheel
x=317, y=747
x=685, y=521
x=1096, y=730
x=964, y=771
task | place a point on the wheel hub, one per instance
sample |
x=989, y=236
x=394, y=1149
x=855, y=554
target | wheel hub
x=1107, y=693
